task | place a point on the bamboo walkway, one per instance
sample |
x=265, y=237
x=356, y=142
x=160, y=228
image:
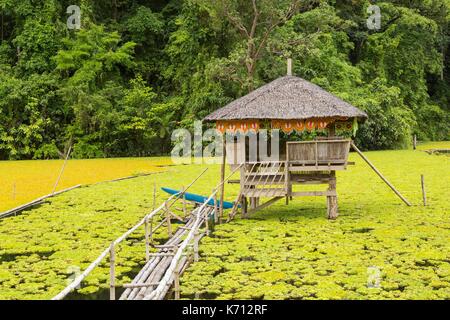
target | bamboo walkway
x=152, y=282
x=163, y=268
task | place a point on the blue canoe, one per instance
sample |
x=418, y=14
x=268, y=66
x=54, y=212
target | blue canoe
x=198, y=198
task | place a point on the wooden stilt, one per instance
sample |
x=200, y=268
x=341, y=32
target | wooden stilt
x=332, y=204
x=112, y=277
x=244, y=206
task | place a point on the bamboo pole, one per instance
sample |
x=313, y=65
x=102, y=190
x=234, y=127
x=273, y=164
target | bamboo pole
x=380, y=175
x=424, y=194
x=34, y=202
x=112, y=277
x=206, y=224
x=14, y=191
x=62, y=170
x=222, y=177
x=169, y=224
x=151, y=230
x=184, y=202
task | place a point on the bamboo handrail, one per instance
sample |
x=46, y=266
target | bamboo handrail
x=77, y=281
x=200, y=216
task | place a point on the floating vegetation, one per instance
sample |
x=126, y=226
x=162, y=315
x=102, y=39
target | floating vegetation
x=23, y=181
x=283, y=252
x=377, y=249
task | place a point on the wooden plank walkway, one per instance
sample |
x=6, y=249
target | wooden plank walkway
x=154, y=270
x=163, y=269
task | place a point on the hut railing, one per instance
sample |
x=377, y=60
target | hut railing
x=317, y=155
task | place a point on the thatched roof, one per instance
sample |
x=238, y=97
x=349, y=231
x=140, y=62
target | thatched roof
x=287, y=97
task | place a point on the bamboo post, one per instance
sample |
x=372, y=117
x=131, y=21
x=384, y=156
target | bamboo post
x=151, y=230
x=222, y=177
x=380, y=175
x=216, y=212
x=154, y=195
x=169, y=225
x=206, y=222
x=177, y=283
x=424, y=194
x=196, y=240
x=62, y=170
x=147, y=242
x=112, y=260
x=332, y=204
x=289, y=67
x=14, y=191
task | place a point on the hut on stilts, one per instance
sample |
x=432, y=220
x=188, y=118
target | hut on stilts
x=295, y=107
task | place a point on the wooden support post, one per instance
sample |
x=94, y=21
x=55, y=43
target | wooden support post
x=244, y=206
x=414, y=142
x=147, y=242
x=380, y=175
x=169, y=224
x=424, y=194
x=332, y=203
x=112, y=277
x=222, y=178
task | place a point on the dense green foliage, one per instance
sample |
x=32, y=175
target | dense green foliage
x=138, y=69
